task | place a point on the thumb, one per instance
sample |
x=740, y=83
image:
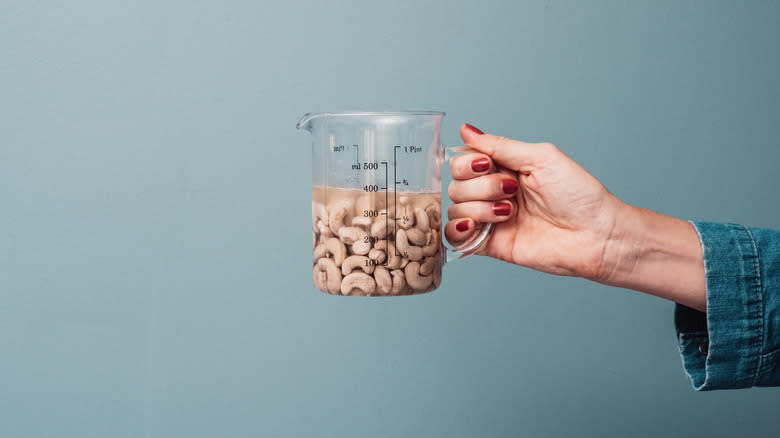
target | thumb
x=513, y=154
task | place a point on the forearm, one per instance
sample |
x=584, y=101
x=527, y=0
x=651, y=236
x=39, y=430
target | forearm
x=656, y=254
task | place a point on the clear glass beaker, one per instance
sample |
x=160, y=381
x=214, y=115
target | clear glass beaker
x=376, y=202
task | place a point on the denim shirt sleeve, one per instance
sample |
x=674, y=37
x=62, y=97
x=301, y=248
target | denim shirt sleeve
x=736, y=343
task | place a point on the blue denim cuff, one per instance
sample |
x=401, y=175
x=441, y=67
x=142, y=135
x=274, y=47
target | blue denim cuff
x=723, y=348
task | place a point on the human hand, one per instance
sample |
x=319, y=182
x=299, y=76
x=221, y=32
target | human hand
x=558, y=219
x=561, y=220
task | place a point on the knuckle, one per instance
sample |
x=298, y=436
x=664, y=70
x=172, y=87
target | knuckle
x=549, y=147
x=460, y=167
x=502, y=142
x=451, y=211
x=452, y=191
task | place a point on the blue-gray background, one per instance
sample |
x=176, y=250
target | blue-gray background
x=154, y=215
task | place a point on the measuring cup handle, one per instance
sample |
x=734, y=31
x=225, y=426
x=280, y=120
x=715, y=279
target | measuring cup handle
x=482, y=234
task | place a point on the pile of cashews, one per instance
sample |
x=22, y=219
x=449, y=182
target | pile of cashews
x=383, y=255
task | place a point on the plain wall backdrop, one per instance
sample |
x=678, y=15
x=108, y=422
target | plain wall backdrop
x=155, y=275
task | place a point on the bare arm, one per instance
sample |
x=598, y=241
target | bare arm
x=657, y=254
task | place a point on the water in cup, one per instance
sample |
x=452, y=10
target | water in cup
x=372, y=243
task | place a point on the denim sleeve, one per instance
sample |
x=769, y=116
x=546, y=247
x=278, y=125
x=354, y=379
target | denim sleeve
x=736, y=343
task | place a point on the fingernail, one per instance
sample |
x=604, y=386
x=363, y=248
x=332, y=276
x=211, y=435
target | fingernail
x=462, y=225
x=474, y=129
x=480, y=165
x=509, y=186
x=502, y=208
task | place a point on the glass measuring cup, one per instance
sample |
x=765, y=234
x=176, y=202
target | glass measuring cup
x=376, y=202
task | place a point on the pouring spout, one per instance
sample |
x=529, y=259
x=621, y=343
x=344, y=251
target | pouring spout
x=305, y=121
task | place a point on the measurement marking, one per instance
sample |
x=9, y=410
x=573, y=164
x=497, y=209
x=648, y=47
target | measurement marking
x=395, y=200
x=387, y=259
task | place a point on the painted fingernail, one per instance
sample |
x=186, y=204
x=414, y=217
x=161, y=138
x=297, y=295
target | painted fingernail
x=502, y=208
x=462, y=225
x=480, y=165
x=474, y=129
x=509, y=186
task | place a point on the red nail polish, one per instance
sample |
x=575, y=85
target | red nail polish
x=474, y=129
x=509, y=186
x=502, y=208
x=462, y=225
x=480, y=165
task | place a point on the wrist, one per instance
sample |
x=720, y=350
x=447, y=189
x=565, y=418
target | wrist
x=621, y=247
x=654, y=253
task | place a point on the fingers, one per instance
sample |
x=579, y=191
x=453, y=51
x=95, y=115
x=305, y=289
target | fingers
x=514, y=154
x=492, y=187
x=470, y=166
x=481, y=211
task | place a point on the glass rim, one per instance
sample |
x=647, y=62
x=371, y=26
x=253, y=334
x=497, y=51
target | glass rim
x=381, y=113
x=399, y=113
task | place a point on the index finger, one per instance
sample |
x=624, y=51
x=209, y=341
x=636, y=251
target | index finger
x=513, y=154
x=470, y=166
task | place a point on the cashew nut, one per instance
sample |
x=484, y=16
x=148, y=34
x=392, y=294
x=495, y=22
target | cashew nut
x=338, y=250
x=358, y=280
x=399, y=282
x=404, y=262
x=416, y=236
x=413, y=253
x=379, y=228
x=413, y=277
x=361, y=221
x=421, y=219
x=323, y=239
x=319, y=252
x=323, y=228
x=356, y=237
x=361, y=247
x=350, y=235
x=329, y=276
x=320, y=279
x=357, y=261
x=381, y=244
x=428, y=265
x=434, y=214
x=318, y=213
x=338, y=214
x=383, y=280
x=377, y=255
x=433, y=245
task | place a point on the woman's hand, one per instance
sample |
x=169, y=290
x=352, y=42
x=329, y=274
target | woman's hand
x=560, y=217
